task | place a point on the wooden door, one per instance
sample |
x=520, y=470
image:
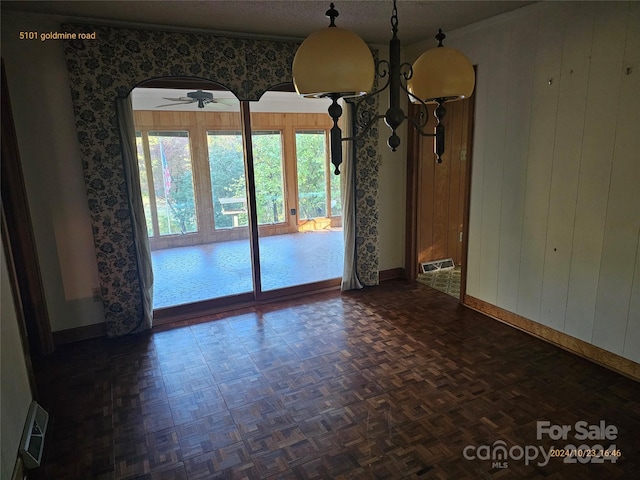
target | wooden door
x=437, y=193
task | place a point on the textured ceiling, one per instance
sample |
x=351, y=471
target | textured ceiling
x=293, y=19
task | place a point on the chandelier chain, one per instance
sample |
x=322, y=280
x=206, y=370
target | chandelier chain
x=394, y=18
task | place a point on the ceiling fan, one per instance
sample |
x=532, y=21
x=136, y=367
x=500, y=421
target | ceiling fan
x=199, y=97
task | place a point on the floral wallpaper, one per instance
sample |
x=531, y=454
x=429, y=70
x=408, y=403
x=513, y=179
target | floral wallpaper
x=110, y=66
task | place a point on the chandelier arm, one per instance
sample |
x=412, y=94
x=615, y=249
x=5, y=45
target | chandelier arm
x=423, y=114
x=379, y=90
x=363, y=129
x=362, y=119
x=406, y=70
x=419, y=128
x=380, y=72
x=439, y=113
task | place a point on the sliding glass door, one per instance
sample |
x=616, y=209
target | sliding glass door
x=304, y=244
x=192, y=176
x=200, y=181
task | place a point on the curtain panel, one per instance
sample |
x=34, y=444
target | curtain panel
x=347, y=182
x=124, y=112
x=110, y=66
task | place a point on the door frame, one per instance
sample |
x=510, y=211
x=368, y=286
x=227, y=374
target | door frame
x=414, y=191
x=257, y=296
x=20, y=238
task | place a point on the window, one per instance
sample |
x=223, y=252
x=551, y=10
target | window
x=144, y=184
x=228, y=189
x=172, y=176
x=318, y=188
x=226, y=167
x=192, y=175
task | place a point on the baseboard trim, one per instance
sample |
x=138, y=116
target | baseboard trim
x=602, y=357
x=391, y=274
x=77, y=334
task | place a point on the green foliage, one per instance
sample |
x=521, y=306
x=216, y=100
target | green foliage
x=226, y=168
x=226, y=163
x=310, y=150
x=175, y=204
x=267, y=155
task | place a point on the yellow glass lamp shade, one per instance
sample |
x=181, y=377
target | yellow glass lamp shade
x=333, y=60
x=442, y=73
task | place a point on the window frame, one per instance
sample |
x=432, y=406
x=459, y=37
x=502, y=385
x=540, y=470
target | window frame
x=197, y=124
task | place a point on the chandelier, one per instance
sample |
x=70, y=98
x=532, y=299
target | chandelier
x=335, y=63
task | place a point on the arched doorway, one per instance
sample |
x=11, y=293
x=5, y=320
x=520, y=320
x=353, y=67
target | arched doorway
x=205, y=169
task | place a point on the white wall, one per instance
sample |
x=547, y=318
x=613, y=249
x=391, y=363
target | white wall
x=15, y=392
x=45, y=125
x=392, y=190
x=555, y=204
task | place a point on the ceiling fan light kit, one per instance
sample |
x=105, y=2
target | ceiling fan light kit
x=200, y=97
x=335, y=63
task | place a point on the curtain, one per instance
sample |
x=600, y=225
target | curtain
x=350, y=279
x=126, y=127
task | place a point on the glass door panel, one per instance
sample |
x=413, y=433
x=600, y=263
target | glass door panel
x=196, y=196
x=230, y=252
x=144, y=184
x=228, y=187
x=268, y=167
x=173, y=182
x=190, y=159
x=311, y=157
x=297, y=243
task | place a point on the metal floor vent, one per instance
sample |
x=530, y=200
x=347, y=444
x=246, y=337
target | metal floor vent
x=445, y=264
x=32, y=443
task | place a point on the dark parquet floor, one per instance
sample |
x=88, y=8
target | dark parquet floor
x=396, y=381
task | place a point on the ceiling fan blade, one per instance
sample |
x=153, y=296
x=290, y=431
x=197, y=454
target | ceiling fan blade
x=214, y=105
x=180, y=99
x=171, y=104
x=226, y=101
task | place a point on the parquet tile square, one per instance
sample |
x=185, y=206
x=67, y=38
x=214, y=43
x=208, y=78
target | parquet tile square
x=391, y=382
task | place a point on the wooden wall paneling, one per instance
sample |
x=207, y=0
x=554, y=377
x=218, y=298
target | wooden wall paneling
x=439, y=189
x=441, y=199
x=538, y=176
x=291, y=172
x=574, y=80
x=622, y=224
x=426, y=199
x=516, y=145
x=203, y=189
x=497, y=44
x=595, y=172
